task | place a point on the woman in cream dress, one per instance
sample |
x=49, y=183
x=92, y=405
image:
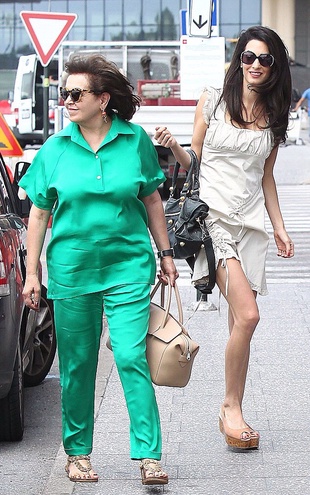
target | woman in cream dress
x=237, y=131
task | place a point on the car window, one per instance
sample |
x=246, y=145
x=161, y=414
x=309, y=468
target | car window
x=26, y=87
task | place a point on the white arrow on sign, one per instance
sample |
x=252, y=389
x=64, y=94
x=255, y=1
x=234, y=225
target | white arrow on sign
x=200, y=12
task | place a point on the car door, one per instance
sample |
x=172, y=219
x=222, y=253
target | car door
x=12, y=226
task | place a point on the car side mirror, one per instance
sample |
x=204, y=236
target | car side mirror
x=20, y=170
x=22, y=200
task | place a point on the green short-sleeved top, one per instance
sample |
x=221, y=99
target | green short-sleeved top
x=100, y=235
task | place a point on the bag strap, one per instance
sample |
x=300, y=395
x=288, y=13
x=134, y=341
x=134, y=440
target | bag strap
x=211, y=264
x=166, y=301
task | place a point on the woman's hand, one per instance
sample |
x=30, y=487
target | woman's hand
x=284, y=244
x=168, y=269
x=32, y=292
x=164, y=137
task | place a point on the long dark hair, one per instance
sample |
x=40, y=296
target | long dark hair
x=274, y=94
x=104, y=76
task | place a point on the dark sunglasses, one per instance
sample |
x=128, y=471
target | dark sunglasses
x=75, y=93
x=265, y=59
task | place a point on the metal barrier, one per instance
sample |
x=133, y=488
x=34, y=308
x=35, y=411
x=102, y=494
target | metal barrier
x=204, y=304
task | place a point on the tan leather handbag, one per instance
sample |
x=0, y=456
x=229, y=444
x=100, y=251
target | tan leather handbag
x=169, y=349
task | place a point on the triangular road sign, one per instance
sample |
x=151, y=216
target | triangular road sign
x=9, y=146
x=46, y=31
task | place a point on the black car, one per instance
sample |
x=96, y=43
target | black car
x=27, y=337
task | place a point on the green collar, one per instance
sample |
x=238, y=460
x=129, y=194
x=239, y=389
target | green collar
x=118, y=126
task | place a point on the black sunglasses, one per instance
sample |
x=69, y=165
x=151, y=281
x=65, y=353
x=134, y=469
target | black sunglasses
x=265, y=59
x=75, y=93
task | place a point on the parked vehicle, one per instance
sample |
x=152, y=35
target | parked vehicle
x=153, y=69
x=27, y=101
x=28, y=341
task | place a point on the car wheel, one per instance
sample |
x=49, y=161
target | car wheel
x=12, y=406
x=42, y=351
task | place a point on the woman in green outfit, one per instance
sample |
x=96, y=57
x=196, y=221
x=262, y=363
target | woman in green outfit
x=100, y=176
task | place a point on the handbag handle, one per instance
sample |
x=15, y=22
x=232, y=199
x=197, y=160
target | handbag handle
x=194, y=171
x=166, y=304
x=191, y=184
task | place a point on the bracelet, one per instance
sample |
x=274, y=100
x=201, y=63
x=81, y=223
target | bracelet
x=166, y=252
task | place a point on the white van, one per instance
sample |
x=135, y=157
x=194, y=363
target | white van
x=27, y=103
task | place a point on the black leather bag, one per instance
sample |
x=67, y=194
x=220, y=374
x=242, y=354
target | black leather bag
x=185, y=218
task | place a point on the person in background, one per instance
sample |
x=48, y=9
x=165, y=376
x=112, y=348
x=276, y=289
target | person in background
x=305, y=97
x=237, y=132
x=100, y=175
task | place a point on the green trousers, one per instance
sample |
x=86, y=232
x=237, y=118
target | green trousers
x=78, y=328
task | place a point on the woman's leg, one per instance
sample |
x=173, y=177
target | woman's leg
x=78, y=329
x=243, y=318
x=127, y=311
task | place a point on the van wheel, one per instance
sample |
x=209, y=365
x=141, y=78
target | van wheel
x=42, y=351
x=12, y=406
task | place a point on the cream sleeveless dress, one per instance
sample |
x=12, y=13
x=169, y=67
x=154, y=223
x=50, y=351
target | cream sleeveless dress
x=231, y=171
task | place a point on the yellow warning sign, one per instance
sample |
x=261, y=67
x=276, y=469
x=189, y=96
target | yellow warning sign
x=9, y=146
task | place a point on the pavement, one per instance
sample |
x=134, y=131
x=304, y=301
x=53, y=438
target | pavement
x=276, y=402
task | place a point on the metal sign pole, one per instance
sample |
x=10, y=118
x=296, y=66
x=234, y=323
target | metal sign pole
x=46, y=87
x=204, y=305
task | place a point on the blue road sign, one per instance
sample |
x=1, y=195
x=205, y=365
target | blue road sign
x=184, y=20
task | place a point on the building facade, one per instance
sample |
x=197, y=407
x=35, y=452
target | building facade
x=117, y=20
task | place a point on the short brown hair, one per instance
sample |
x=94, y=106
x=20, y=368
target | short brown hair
x=105, y=76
